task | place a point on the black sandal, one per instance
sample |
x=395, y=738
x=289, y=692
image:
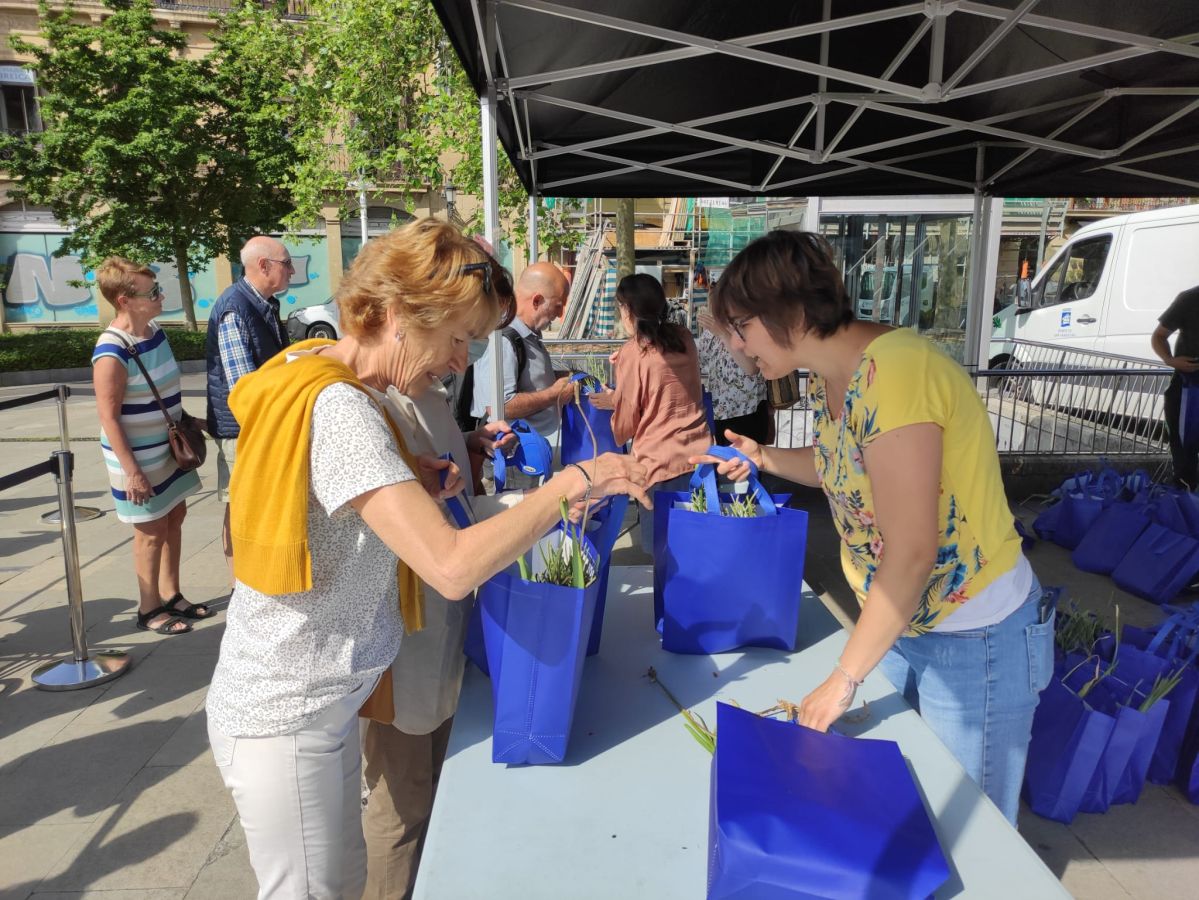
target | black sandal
x=189, y=610
x=168, y=626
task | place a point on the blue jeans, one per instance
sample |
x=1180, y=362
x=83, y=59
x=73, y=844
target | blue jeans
x=977, y=690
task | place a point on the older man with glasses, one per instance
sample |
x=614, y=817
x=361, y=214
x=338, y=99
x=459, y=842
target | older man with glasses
x=244, y=331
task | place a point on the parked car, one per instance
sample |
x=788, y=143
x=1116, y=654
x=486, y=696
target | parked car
x=314, y=322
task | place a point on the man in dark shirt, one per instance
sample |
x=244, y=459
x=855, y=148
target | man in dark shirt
x=1181, y=316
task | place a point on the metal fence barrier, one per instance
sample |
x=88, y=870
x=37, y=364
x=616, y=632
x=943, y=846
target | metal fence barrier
x=1048, y=400
x=81, y=669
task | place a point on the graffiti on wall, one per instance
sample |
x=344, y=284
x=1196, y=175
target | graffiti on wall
x=42, y=288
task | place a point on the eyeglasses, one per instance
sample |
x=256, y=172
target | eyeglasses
x=485, y=268
x=738, y=326
x=286, y=263
x=154, y=293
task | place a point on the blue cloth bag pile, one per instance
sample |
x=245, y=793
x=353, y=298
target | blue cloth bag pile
x=1092, y=751
x=575, y=437
x=720, y=582
x=1164, y=558
x=535, y=636
x=1174, y=645
x=1145, y=536
x=797, y=813
x=1081, y=499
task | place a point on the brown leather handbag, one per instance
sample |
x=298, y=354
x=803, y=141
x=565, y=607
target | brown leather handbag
x=186, y=437
x=785, y=392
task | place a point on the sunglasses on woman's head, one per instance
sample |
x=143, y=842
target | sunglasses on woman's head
x=485, y=268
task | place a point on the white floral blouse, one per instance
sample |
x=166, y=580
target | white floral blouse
x=734, y=393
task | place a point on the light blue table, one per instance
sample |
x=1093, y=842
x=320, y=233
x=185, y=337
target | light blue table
x=626, y=816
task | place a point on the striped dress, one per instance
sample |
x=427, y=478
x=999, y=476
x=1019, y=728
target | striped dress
x=144, y=426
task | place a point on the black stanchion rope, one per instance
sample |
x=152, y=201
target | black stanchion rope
x=32, y=398
x=49, y=467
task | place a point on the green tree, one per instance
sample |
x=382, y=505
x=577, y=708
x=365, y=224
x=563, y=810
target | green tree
x=398, y=112
x=149, y=153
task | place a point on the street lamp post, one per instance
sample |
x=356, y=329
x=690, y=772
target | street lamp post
x=450, y=192
x=362, y=185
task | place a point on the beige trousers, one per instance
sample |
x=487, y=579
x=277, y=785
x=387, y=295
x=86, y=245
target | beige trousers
x=401, y=773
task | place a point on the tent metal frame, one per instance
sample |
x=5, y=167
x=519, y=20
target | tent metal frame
x=810, y=143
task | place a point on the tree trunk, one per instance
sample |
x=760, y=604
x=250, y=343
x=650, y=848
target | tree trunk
x=185, y=288
x=626, y=255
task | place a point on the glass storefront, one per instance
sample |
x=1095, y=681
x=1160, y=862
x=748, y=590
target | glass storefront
x=906, y=270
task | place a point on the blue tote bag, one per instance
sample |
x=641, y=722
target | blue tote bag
x=1110, y=537
x=536, y=639
x=1068, y=740
x=603, y=530
x=720, y=582
x=1159, y=564
x=796, y=813
x=1081, y=498
x=1188, y=416
x=531, y=455
x=575, y=438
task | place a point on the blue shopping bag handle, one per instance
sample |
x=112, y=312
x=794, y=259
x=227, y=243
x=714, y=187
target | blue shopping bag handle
x=457, y=505
x=705, y=476
x=532, y=456
x=588, y=383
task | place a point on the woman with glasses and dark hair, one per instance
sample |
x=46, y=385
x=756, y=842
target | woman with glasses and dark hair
x=148, y=489
x=657, y=401
x=334, y=530
x=903, y=448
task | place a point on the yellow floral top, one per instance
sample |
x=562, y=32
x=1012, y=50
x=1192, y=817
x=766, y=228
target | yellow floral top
x=901, y=380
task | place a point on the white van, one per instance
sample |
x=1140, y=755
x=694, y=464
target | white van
x=1105, y=289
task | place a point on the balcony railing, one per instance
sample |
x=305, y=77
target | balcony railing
x=288, y=9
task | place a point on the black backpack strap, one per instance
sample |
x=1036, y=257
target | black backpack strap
x=518, y=347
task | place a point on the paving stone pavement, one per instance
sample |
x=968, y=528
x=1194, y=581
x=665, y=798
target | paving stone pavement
x=110, y=792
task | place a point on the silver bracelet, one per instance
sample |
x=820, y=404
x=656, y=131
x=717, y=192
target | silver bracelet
x=586, y=478
x=853, y=681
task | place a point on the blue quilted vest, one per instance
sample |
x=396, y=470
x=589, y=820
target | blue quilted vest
x=267, y=338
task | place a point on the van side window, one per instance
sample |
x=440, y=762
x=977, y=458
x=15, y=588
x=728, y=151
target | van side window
x=1076, y=275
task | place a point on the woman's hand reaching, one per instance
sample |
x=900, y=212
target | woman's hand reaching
x=735, y=469
x=429, y=472
x=617, y=473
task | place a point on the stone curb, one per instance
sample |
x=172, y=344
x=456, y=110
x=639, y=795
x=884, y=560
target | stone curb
x=66, y=376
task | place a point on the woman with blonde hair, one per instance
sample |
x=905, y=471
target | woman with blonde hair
x=149, y=490
x=325, y=497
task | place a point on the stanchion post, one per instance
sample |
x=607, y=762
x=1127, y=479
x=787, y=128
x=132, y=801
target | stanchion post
x=70, y=550
x=64, y=435
x=81, y=671
x=64, y=443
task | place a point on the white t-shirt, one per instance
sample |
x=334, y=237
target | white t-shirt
x=996, y=602
x=285, y=659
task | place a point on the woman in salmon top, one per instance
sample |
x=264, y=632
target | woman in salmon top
x=658, y=401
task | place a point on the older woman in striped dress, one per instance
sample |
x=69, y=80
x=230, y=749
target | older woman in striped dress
x=148, y=488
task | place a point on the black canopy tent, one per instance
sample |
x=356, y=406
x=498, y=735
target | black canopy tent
x=629, y=98
x=840, y=97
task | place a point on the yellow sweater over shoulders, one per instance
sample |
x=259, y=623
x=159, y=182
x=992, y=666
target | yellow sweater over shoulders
x=268, y=516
